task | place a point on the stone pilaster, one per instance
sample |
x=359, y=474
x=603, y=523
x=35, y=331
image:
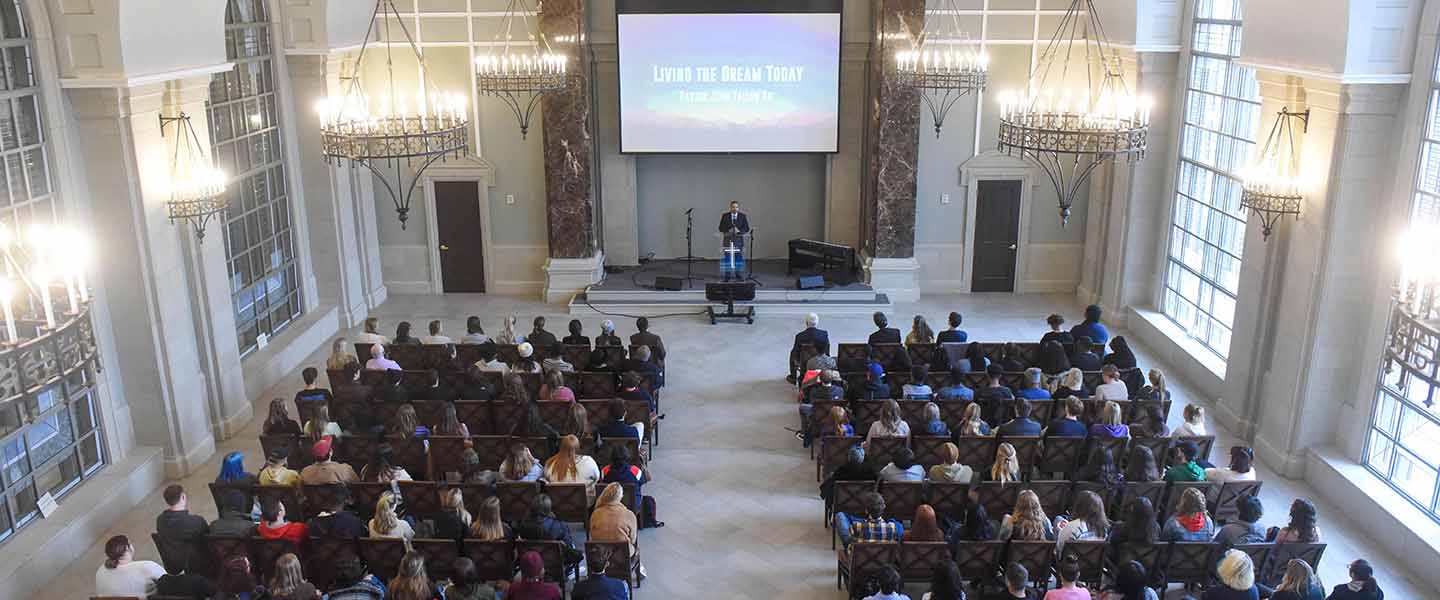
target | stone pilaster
x=569, y=211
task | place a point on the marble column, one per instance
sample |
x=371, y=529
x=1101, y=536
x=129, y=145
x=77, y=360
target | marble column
x=574, y=261
x=892, y=147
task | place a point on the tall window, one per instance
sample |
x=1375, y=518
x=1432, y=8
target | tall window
x=50, y=437
x=1403, y=447
x=1207, y=228
x=245, y=131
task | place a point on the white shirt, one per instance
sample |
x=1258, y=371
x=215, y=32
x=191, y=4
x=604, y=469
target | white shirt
x=474, y=338
x=435, y=340
x=1114, y=390
x=494, y=366
x=371, y=338
x=1222, y=475
x=135, y=578
x=1187, y=429
x=879, y=429
x=586, y=472
x=402, y=530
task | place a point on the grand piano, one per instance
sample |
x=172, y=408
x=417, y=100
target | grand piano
x=835, y=261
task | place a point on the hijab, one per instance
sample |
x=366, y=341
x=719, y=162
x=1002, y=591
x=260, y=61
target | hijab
x=1120, y=354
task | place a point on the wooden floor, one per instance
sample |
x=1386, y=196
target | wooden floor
x=735, y=488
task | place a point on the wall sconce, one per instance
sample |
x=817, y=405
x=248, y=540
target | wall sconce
x=196, y=186
x=1272, y=185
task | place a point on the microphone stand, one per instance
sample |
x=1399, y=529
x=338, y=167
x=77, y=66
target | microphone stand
x=689, y=247
x=750, y=264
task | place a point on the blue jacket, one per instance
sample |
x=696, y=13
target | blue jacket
x=949, y=336
x=1019, y=428
x=1066, y=428
x=1095, y=331
x=600, y=587
x=955, y=392
x=1034, y=393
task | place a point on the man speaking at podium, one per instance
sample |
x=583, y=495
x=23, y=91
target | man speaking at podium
x=734, y=225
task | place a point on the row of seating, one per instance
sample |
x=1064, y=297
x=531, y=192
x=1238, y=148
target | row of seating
x=437, y=357
x=1015, y=380
x=864, y=412
x=853, y=356
x=585, y=384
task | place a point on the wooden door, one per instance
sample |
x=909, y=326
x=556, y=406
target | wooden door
x=997, y=231
x=462, y=253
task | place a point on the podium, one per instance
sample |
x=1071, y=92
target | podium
x=732, y=255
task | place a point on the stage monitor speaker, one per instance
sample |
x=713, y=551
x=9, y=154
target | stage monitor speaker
x=810, y=282
x=730, y=292
x=669, y=284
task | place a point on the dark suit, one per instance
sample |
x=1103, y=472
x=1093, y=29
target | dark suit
x=738, y=221
x=656, y=345
x=1085, y=361
x=809, y=337
x=541, y=339
x=888, y=335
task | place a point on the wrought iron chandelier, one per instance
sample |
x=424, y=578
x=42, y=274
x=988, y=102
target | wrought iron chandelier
x=1272, y=184
x=1069, y=132
x=519, y=73
x=1413, y=336
x=197, y=188
x=943, y=66
x=40, y=261
x=391, y=128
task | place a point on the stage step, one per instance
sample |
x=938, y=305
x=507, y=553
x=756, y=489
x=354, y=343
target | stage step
x=771, y=302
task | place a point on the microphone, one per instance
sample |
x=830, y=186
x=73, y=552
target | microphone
x=689, y=210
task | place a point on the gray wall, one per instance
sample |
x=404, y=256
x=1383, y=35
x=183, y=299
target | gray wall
x=783, y=194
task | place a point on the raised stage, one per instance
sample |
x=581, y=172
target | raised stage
x=632, y=292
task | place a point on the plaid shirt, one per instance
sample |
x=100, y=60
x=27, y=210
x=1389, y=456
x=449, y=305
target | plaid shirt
x=875, y=530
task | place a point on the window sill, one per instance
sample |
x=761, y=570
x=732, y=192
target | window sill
x=1201, y=366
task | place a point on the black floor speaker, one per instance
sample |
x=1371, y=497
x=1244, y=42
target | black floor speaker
x=669, y=284
x=810, y=282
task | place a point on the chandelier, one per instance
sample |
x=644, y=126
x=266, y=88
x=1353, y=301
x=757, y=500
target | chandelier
x=519, y=73
x=392, y=128
x=1077, y=112
x=1413, y=335
x=196, y=186
x=40, y=263
x=939, y=71
x=1272, y=185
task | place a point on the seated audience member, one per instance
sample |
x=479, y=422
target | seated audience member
x=577, y=335
x=884, y=333
x=971, y=424
x=237, y=581
x=532, y=584
x=489, y=361
x=553, y=385
x=1141, y=468
x=387, y=522
x=411, y=582
x=1247, y=529
x=541, y=525
x=1237, y=579
x=1182, y=463
x=353, y=583
x=320, y=425
x=598, y=585
x=1302, y=527
x=1111, y=388
x=1299, y=583
x=1362, y=585
x=920, y=332
x=436, y=390
x=312, y=392
x=607, y=335
x=874, y=527
x=520, y=465
x=232, y=470
x=950, y=469
x=631, y=389
x=1083, y=357
x=903, y=467
x=176, y=522
x=1086, y=521
x=555, y=361
x=390, y=390
x=1068, y=424
x=1131, y=583
x=371, y=335
x=403, y=337
x=275, y=472
x=1155, y=387
x=889, y=424
x=122, y=575
x=1011, y=358
x=889, y=583
x=325, y=470
x=946, y=583
x=569, y=465
x=288, y=582
x=1056, y=334
x=1006, y=468
x=527, y=362
x=340, y=355
x=436, y=338
x=1054, y=358
x=975, y=360
x=822, y=361
x=1139, y=527
x=840, y=422
x=643, y=337
x=1100, y=468
x=622, y=471
x=470, y=471
x=234, y=520
x=975, y=525
x=1021, y=425
x=612, y=521
x=1150, y=422
x=450, y=424
x=618, y=427
x=1120, y=356
x=407, y=424
x=539, y=337
x=1071, y=384
x=917, y=389
x=1067, y=571
x=474, y=386
x=349, y=388
x=954, y=334
x=278, y=421
x=452, y=522
x=1194, y=425
x=1033, y=388
x=487, y=525
x=1091, y=327
x=641, y=363
x=1241, y=467
x=854, y=469
x=274, y=526
x=1028, y=523
x=1110, y=424
x=474, y=332
x=465, y=583
x=810, y=337
x=1017, y=585
x=875, y=387
x=955, y=388
x=933, y=424
x=178, y=583
x=828, y=387
x=1191, y=523
x=994, y=396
